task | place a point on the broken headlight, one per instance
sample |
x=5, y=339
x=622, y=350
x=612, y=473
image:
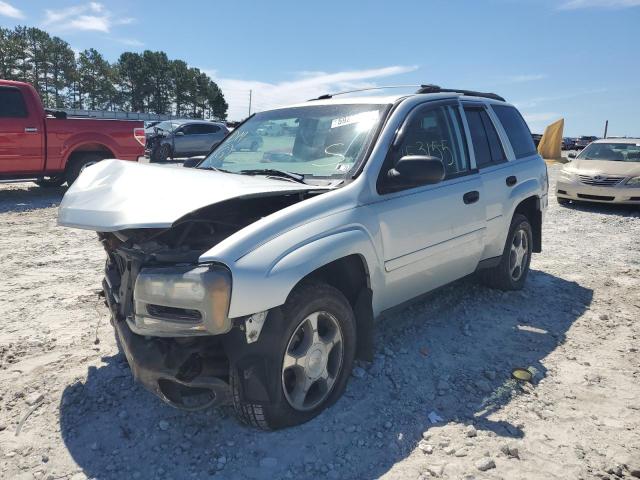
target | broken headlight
x=182, y=301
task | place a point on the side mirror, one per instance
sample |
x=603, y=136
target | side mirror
x=416, y=170
x=179, y=134
x=191, y=162
x=572, y=155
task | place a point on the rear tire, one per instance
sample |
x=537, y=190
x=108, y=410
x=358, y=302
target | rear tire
x=79, y=163
x=511, y=272
x=323, y=349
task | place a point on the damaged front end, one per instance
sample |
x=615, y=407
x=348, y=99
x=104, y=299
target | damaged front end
x=170, y=312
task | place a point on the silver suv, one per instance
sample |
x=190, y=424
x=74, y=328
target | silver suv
x=256, y=277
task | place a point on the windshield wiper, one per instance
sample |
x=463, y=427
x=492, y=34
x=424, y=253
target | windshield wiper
x=272, y=172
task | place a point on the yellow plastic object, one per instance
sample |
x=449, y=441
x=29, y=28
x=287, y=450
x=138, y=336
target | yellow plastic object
x=522, y=374
x=550, y=146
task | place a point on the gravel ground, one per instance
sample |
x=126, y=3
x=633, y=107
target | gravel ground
x=437, y=402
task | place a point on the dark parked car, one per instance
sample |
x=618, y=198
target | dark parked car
x=183, y=138
x=585, y=140
x=568, y=143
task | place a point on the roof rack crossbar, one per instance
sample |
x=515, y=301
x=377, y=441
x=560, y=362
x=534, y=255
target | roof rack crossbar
x=472, y=93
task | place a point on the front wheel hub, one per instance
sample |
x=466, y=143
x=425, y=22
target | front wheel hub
x=312, y=361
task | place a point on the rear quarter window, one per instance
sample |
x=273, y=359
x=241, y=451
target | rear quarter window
x=516, y=129
x=11, y=103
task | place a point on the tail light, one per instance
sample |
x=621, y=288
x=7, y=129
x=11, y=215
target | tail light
x=139, y=135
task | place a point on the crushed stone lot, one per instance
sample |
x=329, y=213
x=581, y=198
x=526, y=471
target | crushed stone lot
x=69, y=408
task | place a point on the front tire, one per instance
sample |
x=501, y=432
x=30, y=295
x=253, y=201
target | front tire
x=164, y=153
x=314, y=359
x=511, y=272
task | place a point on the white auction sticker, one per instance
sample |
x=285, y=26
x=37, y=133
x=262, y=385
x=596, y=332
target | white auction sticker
x=362, y=117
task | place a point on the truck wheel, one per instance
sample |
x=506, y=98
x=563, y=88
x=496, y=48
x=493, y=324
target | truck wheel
x=78, y=164
x=511, y=272
x=317, y=343
x=50, y=182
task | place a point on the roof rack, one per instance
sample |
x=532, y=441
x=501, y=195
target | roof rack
x=421, y=89
x=327, y=96
x=437, y=89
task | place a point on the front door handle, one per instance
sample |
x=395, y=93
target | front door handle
x=511, y=181
x=30, y=130
x=471, y=197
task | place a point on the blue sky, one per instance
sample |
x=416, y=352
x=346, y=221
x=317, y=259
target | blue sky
x=572, y=59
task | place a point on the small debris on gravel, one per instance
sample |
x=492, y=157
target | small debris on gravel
x=485, y=463
x=510, y=450
x=163, y=425
x=358, y=372
x=34, y=398
x=471, y=431
x=435, y=418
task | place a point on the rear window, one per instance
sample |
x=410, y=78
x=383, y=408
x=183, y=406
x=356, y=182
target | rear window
x=486, y=144
x=517, y=130
x=11, y=103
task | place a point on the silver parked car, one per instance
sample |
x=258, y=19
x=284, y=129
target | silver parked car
x=183, y=138
x=256, y=278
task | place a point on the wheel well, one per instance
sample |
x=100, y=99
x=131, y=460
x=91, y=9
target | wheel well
x=530, y=208
x=91, y=148
x=350, y=275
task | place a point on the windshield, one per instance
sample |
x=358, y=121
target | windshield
x=314, y=141
x=166, y=126
x=620, y=152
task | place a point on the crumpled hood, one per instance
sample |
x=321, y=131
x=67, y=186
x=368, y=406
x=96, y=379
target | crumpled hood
x=116, y=195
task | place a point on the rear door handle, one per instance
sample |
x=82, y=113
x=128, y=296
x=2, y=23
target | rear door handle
x=511, y=181
x=30, y=130
x=471, y=197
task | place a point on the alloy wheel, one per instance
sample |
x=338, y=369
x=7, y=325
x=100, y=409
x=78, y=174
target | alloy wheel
x=312, y=361
x=519, y=254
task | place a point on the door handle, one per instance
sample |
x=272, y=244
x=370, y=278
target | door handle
x=511, y=181
x=30, y=130
x=471, y=197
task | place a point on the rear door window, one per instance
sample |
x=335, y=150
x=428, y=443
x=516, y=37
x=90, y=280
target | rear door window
x=486, y=143
x=517, y=130
x=11, y=103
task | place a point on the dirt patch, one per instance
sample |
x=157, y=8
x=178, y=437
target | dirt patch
x=450, y=357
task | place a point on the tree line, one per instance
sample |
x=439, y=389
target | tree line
x=146, y=82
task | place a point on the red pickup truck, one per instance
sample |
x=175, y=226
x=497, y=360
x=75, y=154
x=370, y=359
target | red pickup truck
x=48, y=148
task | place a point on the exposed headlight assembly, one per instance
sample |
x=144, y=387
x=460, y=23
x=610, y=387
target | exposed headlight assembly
x=633, y=182
x=177, y=301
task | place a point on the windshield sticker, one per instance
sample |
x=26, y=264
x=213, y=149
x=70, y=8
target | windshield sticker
x=368, y=117
x=343, y=167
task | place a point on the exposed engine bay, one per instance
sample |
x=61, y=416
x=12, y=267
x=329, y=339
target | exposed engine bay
x=188, y=373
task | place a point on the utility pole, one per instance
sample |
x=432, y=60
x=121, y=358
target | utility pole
x=606, y=127
x=250, y=93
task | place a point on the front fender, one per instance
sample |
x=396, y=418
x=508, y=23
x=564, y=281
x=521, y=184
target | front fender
x=264, y=278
